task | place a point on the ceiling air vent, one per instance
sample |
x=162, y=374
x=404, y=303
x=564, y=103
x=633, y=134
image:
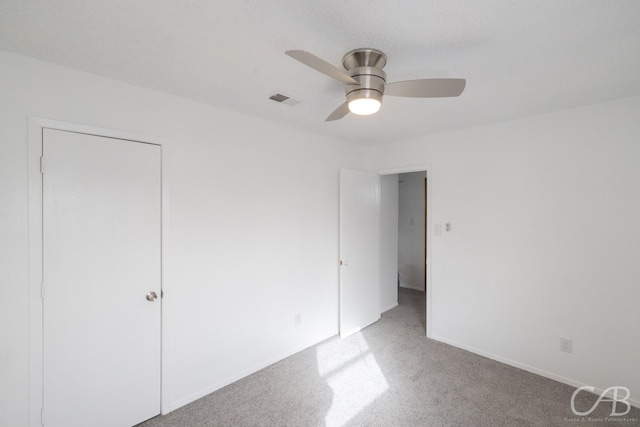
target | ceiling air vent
x=278, y=97
x=284, y=99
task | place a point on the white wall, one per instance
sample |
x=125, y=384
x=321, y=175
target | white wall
x=544, y=243
x=411, y=211
x=389, y=235
x=251, y=233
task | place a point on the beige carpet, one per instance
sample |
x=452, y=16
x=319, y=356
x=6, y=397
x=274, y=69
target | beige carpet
x=391, y=375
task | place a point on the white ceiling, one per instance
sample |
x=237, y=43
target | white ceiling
x=520, y=58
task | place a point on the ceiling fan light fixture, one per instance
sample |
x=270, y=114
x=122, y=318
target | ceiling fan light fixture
x=364, y=106
x=365, y=82
x=364, y=102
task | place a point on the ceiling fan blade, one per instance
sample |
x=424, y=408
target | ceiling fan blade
x=338, y=113
x=321, y=65
x=426, y=88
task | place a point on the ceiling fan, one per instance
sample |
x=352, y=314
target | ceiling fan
x=365, y=82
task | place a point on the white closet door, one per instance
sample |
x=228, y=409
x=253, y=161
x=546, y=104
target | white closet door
x=359, y=250
x=102, y=255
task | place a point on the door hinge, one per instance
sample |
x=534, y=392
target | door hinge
x=42, y=290
x=41, y=164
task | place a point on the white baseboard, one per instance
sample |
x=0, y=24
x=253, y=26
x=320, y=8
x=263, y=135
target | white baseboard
x=388, y=308
x=525, y=367
x=239, y=375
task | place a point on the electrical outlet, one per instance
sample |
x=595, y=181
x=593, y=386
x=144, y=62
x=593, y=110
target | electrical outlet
x=297, y=319
x=566, y=345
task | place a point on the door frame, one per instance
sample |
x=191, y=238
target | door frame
x=428, y=169
x=36, y=327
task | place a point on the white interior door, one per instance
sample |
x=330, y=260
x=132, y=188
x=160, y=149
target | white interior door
x=359, y=250
x=101, y=255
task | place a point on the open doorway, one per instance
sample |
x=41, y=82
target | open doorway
x=412, y=220
x=412, y=216
x=405, y=234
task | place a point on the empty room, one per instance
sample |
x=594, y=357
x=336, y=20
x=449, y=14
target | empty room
x=335, y=213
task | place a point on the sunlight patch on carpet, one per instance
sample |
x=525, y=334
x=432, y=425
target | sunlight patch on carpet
x=354, y=376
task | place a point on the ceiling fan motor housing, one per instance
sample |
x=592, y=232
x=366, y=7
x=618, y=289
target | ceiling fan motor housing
x=365, y=66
